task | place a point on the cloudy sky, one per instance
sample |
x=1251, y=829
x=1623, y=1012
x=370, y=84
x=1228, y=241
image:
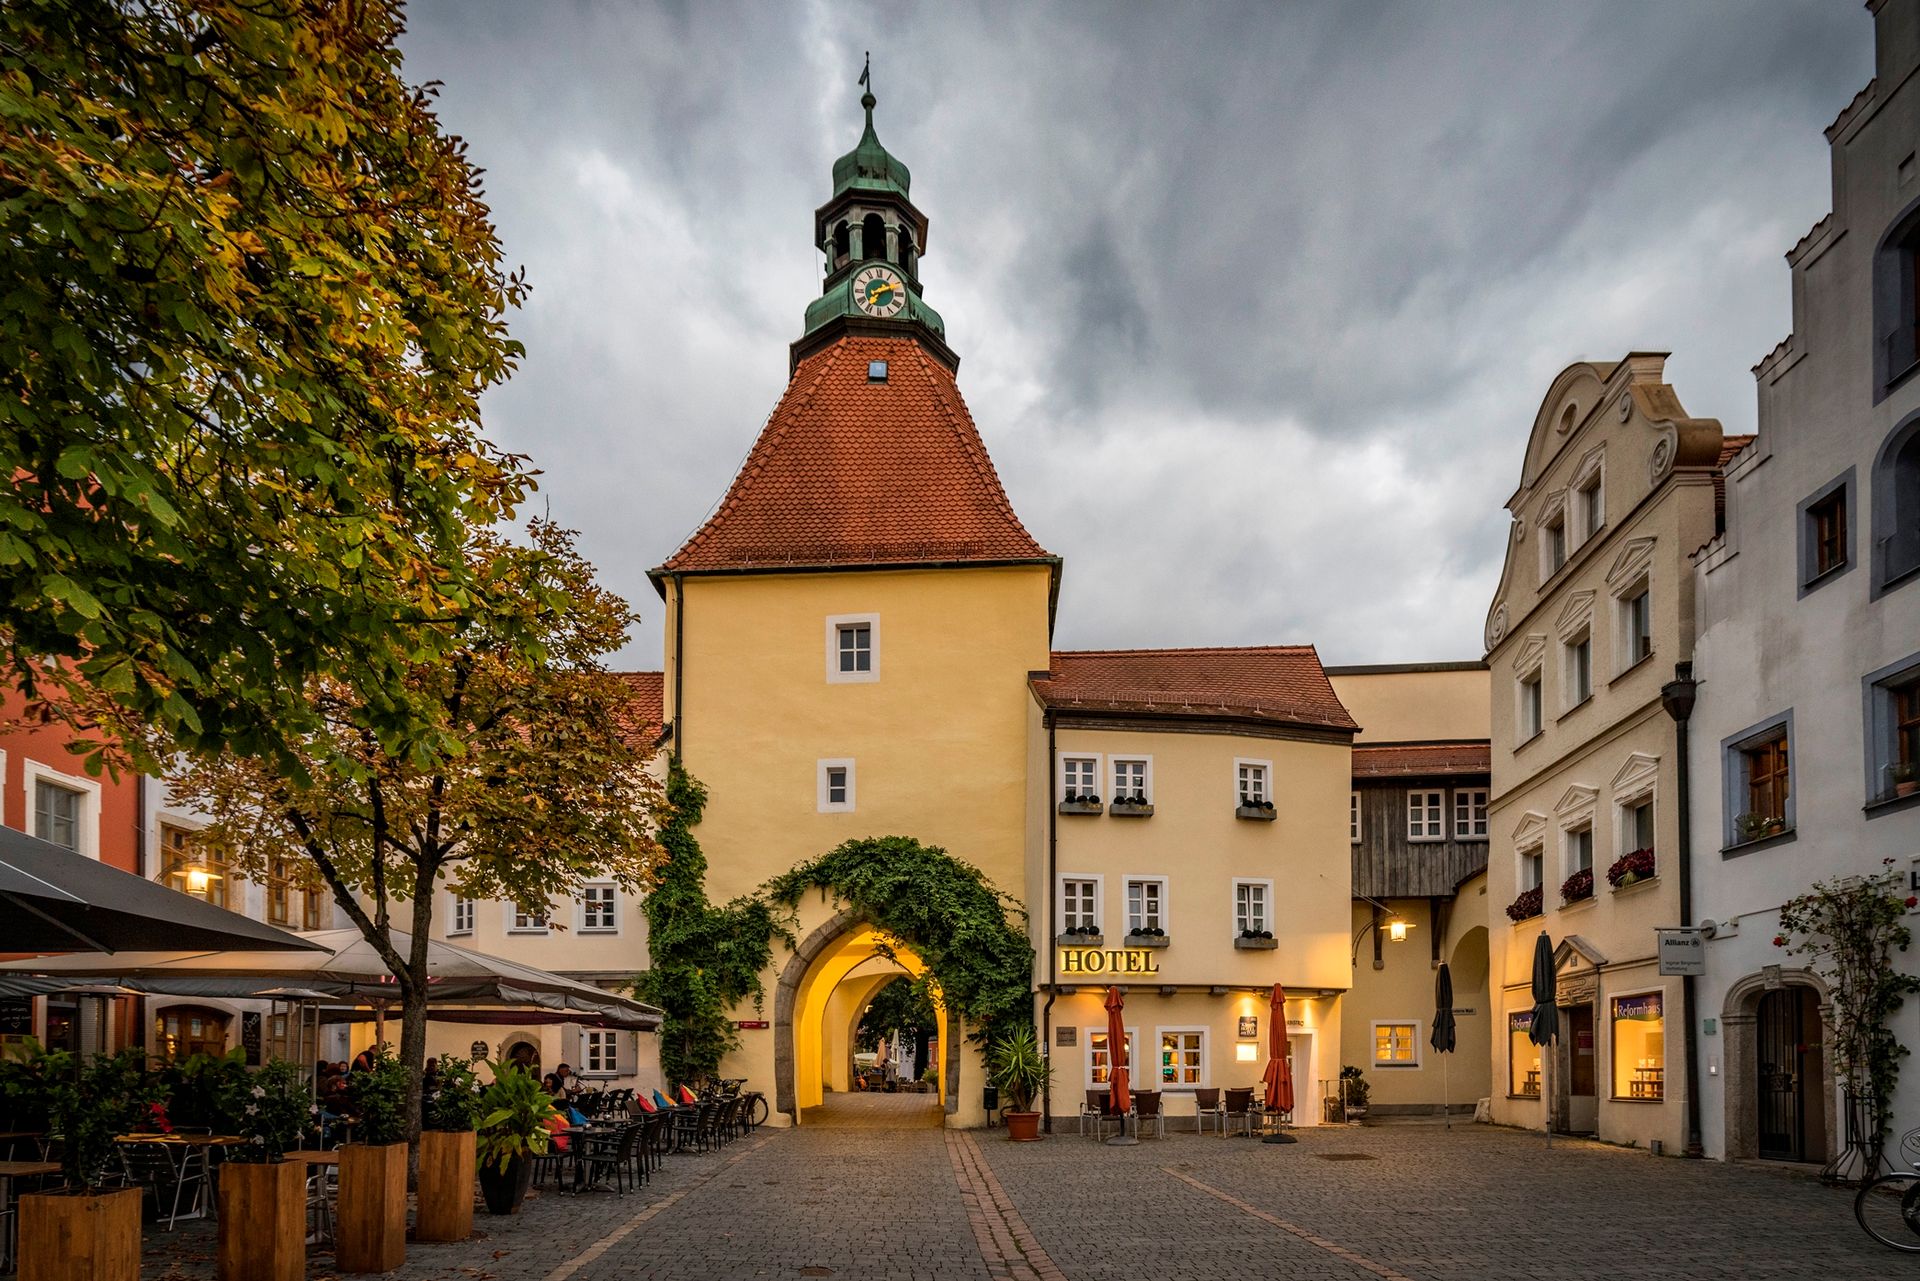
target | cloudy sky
x=1255, y=303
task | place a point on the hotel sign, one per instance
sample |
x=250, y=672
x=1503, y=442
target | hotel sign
x=1111, y=960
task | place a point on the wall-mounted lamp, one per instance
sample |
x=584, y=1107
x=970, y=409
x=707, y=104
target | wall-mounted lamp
x=1395, y=929
x=200, y=879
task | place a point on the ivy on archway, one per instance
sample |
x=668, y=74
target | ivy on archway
x=945, y=910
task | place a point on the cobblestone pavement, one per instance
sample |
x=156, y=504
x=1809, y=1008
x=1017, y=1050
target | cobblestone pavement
x=878, y=1194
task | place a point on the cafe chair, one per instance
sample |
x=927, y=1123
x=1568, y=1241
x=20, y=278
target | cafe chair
x=1147, y=1111
x=1239, y=1110
x=167, y=1178
x=1206, y=1107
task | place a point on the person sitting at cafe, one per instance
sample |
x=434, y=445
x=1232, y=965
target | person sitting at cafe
x=551, y=1084
x=569, y=1083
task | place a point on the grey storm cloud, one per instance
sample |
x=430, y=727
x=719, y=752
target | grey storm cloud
x=1255, y=302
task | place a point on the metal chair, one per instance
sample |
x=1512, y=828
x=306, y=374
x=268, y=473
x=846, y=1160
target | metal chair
x=1206, y=1105
x=1238, y=1111
x=604, y=1155
x=1147, y=1111
x=167, y=1172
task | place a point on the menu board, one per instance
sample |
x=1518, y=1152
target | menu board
x=16, y=1016
x=250, y=1037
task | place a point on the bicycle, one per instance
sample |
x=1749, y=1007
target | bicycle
x=1888, y=1207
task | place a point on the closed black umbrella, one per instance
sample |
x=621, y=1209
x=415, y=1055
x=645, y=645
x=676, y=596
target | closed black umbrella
x=1442, y=1038
x=53, y=900
x=1546, y=1019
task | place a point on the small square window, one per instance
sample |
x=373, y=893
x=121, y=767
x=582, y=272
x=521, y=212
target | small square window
x=1470, y=814
x=1131, y=782
x=856, y=647
x=836, y=787
x=599, y=910
x=1396, y=1045
x=1826, y=532
x=853, y=649
x=1426, y=815
x=1252, y=780
x=600, y=1053
x=525, y=922
x=876, y=371
x=1079, y=779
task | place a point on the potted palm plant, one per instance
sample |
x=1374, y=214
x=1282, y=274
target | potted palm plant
x=263, y=1196
x=1016, y=1068
x=513, y=1131
x=371, y=1235
x=86, y=1231
x=448, y=1113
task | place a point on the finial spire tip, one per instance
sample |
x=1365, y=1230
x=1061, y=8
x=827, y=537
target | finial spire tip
x=867, y=99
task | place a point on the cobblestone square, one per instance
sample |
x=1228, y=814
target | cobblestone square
x=873, y=1194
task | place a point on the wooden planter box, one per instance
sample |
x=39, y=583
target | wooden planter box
x=370, y=1233
x=447, y=1169
x=1255, y=813
x=80, y=1238
x=263, y=1221
x=1255, y=945
x=1127, y=809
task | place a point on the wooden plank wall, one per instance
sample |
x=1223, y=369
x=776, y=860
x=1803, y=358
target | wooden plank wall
x=1388, y=865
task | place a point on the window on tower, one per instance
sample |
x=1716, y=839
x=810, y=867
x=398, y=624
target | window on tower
x=873, y=237
x=842, y=245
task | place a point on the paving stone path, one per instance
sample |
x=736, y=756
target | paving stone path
x=873, y=1191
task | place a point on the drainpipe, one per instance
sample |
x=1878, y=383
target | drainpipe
x=1046, y=931
x=679, y=667
x=1677, y=696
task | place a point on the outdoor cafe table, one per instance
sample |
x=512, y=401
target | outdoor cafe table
x=577, y=1136
x=9, y=1171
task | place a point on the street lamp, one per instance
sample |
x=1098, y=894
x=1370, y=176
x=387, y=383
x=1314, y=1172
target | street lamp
x=1396, y=931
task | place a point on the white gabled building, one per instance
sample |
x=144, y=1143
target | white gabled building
x=1808, y=648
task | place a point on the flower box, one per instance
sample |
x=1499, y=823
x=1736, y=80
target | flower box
x=1632, y=868
x=1148, y=940
x=1529, y=905
x=1071, y=804
x=1130, y=809
x=1256, y=813
x=1245, y=944
x=80, y=1236
x=1068, y=938
x=1758, y=827
x=1577, y=888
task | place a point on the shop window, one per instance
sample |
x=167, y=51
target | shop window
x=1080, y=779
x=1080, y=904
x=600, y=1053
x=1470, y=814
x=1250, y=907
x=1100, y=1063
x=599, y=909
x=1639, y=1047
x=1826, y=532
x=189, y=870
x=1396, y=1045
x=461, y=919
x=1893, y=730
x=1183, y=1058
x=1523, y=1056
x=1759, y=781
x=1146, y=901
x=1426, y=815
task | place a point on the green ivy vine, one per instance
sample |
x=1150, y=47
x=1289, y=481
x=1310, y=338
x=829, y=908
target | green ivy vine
x=945, y=910
x=1850, y=928
x=706, y=959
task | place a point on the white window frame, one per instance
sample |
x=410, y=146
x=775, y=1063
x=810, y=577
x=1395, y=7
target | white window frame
x=1553, y=531
x=1354, y=832
x=1206, y=1067
x=1522, y=856
x=86, y=813
x=1099, y=899
x=1567, y=863
x=601, y=1043
x=1266, y=778
x=1623, y=611
x=1133, y=1056
x=1159, y=882
x=1266, y=886
x=513, y=915
x=821, y=771
x=1469, y=832
x=1373, y=1044
x=580, y=908
x=1080, y=758
x=455, y=927
x=834, y=623
x=1529, y=716
x=1115, y=761
x=1431, y=804
x=1593, y=516
x=1572, y=676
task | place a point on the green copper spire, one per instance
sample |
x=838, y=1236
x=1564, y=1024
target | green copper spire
x=869, y=166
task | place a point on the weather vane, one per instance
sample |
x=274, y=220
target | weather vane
x=866, y=73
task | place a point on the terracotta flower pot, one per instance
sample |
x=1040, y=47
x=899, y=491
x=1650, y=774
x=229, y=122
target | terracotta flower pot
x=72, y=1236
x=263, y=1221
x=1023, y=1127
x=370, y=1234
x=446, y=1186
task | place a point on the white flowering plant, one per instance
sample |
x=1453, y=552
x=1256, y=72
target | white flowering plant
x=268, y=1108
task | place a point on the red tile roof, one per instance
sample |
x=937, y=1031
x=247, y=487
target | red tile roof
x=853, y=472
x=1280, y=683
x=1408, y=760
x=644, y=718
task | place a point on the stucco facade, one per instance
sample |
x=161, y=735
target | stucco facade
x=1816, y=652
x=1594, y=609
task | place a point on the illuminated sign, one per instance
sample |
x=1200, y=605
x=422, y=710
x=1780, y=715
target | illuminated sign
x=1113, y=960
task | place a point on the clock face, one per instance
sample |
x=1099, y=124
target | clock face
x=878, y=291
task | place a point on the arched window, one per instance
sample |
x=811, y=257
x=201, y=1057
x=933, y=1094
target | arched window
x=909, y=260
x=1896, y=506
x=842, y=245
x=1896, y=301
x=873, y=237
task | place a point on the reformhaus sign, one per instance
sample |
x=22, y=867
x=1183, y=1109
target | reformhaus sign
x=1112, y=960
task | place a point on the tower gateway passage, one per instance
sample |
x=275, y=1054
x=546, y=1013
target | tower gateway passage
x=849, y=639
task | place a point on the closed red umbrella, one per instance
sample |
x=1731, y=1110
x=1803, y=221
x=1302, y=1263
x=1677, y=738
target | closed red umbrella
x=1278, y=1077
x=1118, y=1099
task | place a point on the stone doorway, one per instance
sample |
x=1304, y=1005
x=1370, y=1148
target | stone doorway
x=1778, y=1078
